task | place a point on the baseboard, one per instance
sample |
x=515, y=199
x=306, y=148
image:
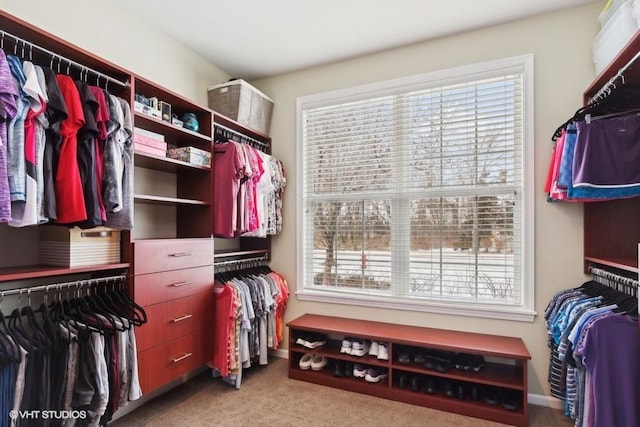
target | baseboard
x=548, y=401
x=281, y=353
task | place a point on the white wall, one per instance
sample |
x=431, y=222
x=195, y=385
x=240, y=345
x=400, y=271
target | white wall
x=561, y=44
x=117, y=36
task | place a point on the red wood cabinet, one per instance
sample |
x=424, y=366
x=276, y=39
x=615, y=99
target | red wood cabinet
x=505, y=368
x=174, y=283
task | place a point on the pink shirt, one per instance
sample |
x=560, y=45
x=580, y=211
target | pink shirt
x=228, y=168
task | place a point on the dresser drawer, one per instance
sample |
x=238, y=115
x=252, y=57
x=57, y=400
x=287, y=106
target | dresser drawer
x=163, y=364
x=172, y=319
x=160, y=287
x=152, y=256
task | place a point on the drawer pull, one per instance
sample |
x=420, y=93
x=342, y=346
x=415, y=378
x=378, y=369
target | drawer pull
x=180, y=254
x=181, y=358
x=180, y=319
x=95, y=234
x=177, y=285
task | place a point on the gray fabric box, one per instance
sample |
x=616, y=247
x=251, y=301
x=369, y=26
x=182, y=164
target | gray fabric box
x=243, y=103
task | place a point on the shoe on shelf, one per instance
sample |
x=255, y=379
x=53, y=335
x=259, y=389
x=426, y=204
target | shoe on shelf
x=305, y=361
x=491, y=396
x=418, y=358
x=360, y=347
x=383, y=351
x=443, y=363
x=346, y=345
x=461, y=392
x=318, y=362
x=301, y=339
x=511, y=400
x=373, y=349
x=476, y=362
x=338, y=369
x=415, y=383
x=448, y=389
x=476, y=393
x=315, y=341
x=404, y=355
x=375, y=375
x=403, y=380
x=430, y=386
x=359, y=371
x=348, y=369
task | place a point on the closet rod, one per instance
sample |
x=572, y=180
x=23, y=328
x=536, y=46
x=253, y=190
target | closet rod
x=612, y=80
x=608, y=276
x=60, y=57
x=240, y=134
x=241, y=263
x=58, y=286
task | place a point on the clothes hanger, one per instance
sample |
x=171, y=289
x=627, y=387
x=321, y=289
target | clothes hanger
x=11, y=347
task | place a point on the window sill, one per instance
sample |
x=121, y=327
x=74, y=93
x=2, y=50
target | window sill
x=493, y=312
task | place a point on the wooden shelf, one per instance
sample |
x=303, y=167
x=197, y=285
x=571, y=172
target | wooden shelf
x=39, y=271
x=506, y=371
x=165, y=164
x=145, y=198
x=171, y=131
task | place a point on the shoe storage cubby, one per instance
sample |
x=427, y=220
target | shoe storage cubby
x=478, y=375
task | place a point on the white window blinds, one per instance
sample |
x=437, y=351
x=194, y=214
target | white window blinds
x=414, y=189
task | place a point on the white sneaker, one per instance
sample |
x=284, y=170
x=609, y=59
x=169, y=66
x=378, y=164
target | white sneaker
x=346, y=346
x=383, y=351
x=360, y=348
x=374, y=375
x=373, y=350
x=318, y=362
x=305, y=361
x=359, y=371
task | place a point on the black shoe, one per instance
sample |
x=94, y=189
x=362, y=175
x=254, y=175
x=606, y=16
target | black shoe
x=415, y=383
x=338, y=369
x=448, y=389
x=348, y=369
x=476, y=362
x=443, y=364
x=430, y=386
x=491, y=396
x=511, y=401
x=475, y=393
x=430, y=361
x=404, y=356
x=403, y=380
x=460, y=392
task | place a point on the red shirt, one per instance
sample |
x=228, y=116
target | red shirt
x=68, y=185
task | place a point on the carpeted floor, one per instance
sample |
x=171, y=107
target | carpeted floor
x=269, y=398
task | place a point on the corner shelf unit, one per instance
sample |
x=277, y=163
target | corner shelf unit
x=611, y=228
x=505, y=369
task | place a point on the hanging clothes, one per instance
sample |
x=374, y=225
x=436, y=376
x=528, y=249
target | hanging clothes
x=54, y=133
x=249, y=308
x=248, y=188
x=76, y=355
x=582, y=322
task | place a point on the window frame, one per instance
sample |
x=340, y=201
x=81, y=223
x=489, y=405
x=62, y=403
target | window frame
x=525, y=311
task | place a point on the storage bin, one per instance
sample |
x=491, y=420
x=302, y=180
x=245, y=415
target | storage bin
x=75, y=247
x=243, y=103
x=191, y=155
x=618, y=30
x=607, y=12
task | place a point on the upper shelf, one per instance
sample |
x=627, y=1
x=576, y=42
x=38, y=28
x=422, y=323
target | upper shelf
x=624, y=56
x=33, y=272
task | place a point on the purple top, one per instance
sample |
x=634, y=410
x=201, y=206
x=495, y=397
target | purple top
x=610, y=352
x=8, y=109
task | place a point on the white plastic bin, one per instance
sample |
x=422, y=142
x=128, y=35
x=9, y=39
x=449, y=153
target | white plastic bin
x=618, y=30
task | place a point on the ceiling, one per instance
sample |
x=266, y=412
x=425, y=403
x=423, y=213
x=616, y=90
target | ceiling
x=251, y=39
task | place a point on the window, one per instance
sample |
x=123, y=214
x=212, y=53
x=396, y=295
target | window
x=415, y=193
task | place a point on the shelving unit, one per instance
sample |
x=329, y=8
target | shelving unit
x=21, y=262
x=611, y=228
x=504, y=370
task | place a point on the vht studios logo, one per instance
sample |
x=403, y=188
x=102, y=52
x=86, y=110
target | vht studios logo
x=47, y=415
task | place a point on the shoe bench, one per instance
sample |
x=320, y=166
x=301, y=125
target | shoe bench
x=504, y=371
